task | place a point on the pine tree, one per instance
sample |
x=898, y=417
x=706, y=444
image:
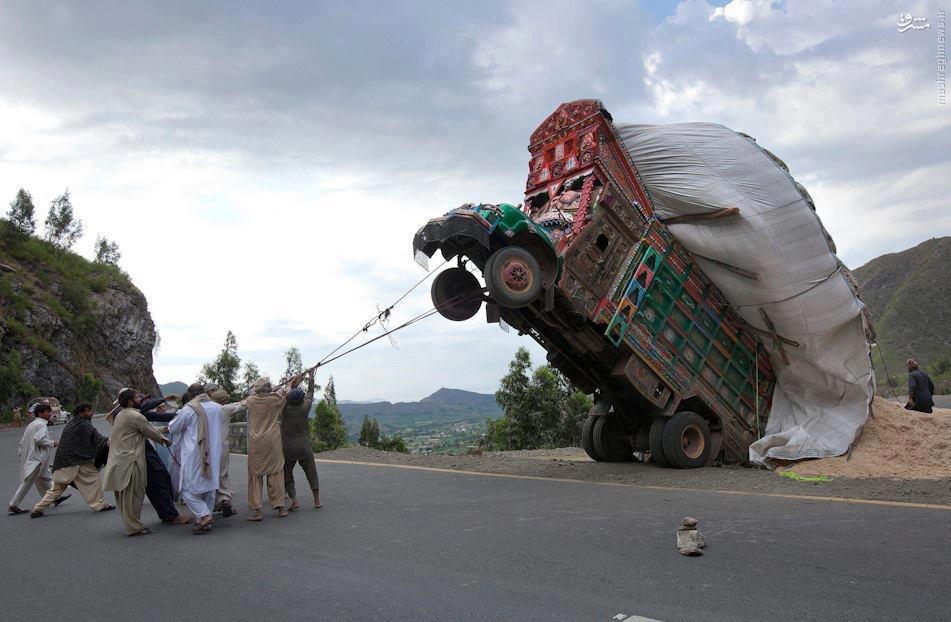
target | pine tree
x=295, y=364
x=327, y=430
x=21, y=213
x=248, y=376
x=62, y=226
x=366, y=431
x=107, y=252
x=223, y=371
x=330, y=392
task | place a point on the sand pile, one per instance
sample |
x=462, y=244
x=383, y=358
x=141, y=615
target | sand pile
x=896, y=443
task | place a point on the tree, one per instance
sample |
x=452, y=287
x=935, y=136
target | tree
x=223, y=371
x=248, y=376
x=62, y=226
x=392, y=443
x=539, y=411
x=88, y=389
x=107, y=252
x=330, y=392
x=21, y=213
x=295, y=364
x=370, y=437
x=12, y=384
x=369, y=432
x=327, y=430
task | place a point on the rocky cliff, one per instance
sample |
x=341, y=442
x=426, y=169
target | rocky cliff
x=69, y=327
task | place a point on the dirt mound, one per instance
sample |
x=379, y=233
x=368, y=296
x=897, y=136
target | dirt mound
x=896, y=443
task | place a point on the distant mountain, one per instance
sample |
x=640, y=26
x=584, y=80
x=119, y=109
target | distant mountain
x=908, y=296
x=173, y=388
x=442, y=406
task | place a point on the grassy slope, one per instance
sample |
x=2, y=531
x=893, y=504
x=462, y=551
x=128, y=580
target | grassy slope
x=63, y=281
x=908, y=295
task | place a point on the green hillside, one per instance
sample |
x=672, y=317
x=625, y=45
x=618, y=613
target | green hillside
x=69, y=327
x=907, y=294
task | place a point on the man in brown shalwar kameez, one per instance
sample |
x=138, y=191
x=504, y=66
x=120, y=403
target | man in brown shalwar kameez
x=125, y=472
x=265, y=448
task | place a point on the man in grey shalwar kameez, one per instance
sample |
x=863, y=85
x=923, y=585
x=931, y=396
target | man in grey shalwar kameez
x=34, y=453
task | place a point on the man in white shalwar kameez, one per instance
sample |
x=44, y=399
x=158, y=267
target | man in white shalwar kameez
x=34, y=453
x=197, y=430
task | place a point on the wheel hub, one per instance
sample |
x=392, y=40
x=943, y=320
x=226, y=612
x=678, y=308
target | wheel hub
x=516, y=276
x=692, y=442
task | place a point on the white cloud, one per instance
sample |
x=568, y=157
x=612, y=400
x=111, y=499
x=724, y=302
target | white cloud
x=265, y=172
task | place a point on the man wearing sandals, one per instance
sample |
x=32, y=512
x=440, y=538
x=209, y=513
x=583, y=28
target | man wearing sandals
x=197, y=430
x=75, y=463
x=34, y=454
x=125, y=472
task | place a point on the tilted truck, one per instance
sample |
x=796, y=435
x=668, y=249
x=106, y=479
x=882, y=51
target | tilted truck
x=586, y=269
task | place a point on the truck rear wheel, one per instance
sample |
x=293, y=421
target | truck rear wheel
x=655, y=441
x=687, y=440
x=513, y=277
x=610, y=442
x=457, y=294
x=587, y=437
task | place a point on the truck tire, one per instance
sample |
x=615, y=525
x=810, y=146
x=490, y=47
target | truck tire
x=449, y=293
x=513, y=277
x=587, y=437
x=610, y=442
x=655, y=441
x=687, y=440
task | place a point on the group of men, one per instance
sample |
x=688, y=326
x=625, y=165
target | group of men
x=194, y=459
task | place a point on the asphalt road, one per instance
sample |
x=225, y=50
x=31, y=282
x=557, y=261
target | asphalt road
x=402, y=544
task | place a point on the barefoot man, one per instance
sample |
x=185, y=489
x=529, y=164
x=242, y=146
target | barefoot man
x=265, y=449
x=295, y=427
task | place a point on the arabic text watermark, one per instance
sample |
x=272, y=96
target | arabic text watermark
x=906, y=22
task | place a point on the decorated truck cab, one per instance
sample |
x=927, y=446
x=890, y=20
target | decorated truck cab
x=586, y=269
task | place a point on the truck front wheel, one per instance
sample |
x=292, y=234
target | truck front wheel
x=687, y=440
x=513, y=277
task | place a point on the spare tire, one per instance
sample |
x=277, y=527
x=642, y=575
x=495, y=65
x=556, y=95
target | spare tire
x=513, y=277
x=456, y=294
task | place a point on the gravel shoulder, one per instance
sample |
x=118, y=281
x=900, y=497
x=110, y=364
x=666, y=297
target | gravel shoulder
x=572, y=463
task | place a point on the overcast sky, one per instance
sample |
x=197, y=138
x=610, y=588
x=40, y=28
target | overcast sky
x=264, y=166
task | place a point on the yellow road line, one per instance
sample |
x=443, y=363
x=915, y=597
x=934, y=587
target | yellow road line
x=776, y=495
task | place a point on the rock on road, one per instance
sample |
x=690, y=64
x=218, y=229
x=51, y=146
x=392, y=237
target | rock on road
x=408, y=544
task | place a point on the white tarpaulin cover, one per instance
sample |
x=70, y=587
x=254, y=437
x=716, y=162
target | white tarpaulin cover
x=822, y=398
